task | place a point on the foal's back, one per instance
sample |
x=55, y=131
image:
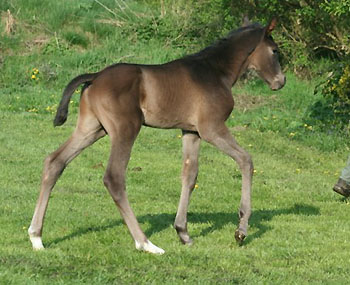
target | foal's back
x=165, y=96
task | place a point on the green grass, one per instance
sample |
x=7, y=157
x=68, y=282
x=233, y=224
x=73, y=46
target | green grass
x=299, y=230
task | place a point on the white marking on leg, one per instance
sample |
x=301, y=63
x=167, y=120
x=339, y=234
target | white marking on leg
x=37, y=243
x=148, y=247
x=35, y=240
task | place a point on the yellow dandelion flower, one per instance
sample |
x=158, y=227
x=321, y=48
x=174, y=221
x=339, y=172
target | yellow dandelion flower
x=33, y=110
x=179, y=136
x=196, y=186
x=33, y=76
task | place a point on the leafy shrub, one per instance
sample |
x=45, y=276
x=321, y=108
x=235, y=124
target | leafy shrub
x=332, y=110
x=307, y=30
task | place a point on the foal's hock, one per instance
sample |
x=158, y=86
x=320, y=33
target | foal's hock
x=192, y=93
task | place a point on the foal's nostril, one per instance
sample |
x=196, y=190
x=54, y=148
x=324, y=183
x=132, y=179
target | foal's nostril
x=278, y=83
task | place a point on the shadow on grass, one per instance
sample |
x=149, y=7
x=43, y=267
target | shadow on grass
x=260, y=217
x=83, y=231
x=159, y=222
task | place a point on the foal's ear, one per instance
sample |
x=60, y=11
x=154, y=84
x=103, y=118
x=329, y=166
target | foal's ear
x=271, y=26
x=246, y=22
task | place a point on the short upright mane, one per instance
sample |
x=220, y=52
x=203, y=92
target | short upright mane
x=224, y=59
x=223, y=43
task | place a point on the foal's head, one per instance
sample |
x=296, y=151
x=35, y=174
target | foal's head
x=264, y=59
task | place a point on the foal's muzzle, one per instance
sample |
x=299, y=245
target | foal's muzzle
x=278, y=82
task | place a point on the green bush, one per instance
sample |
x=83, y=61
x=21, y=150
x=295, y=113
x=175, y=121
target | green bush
x=307, y=30
x=332, y=110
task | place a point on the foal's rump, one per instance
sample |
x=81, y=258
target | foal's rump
x=116, y=79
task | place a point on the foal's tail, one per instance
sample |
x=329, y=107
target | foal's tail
x=62, y=111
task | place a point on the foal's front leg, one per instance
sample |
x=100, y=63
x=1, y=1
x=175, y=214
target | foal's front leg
x=191, y=143
x=219, y=136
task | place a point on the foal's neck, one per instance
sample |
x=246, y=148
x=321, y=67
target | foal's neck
x=229, y=56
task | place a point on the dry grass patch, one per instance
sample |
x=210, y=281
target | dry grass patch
x=9, y=23
x=244, y=102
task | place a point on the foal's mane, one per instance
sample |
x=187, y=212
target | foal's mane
x=221, y=45
x=223, y=59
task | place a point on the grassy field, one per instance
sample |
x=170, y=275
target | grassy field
x=299, y=231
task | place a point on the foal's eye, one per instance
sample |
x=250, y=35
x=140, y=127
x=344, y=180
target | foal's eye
x=275, y=51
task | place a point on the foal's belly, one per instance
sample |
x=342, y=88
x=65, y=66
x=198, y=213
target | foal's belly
x=166, y=119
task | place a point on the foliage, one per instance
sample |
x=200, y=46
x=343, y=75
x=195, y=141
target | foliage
x=332, y=110
x=306, y=30
x=185, y=24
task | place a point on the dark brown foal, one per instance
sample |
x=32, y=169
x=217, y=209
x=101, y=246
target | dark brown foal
x=192, y=93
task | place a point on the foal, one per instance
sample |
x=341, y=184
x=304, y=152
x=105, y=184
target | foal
x=192, y=94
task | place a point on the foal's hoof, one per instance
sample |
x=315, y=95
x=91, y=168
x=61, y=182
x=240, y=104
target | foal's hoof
x=239, y=236
x=185, y=239
x=149, y=247
x=36, y=241
x=183, y=235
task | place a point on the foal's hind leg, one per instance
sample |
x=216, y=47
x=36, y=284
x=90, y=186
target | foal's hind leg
x=122, y=136
x=87, y=132
x=191, y=143
x=219, y=136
